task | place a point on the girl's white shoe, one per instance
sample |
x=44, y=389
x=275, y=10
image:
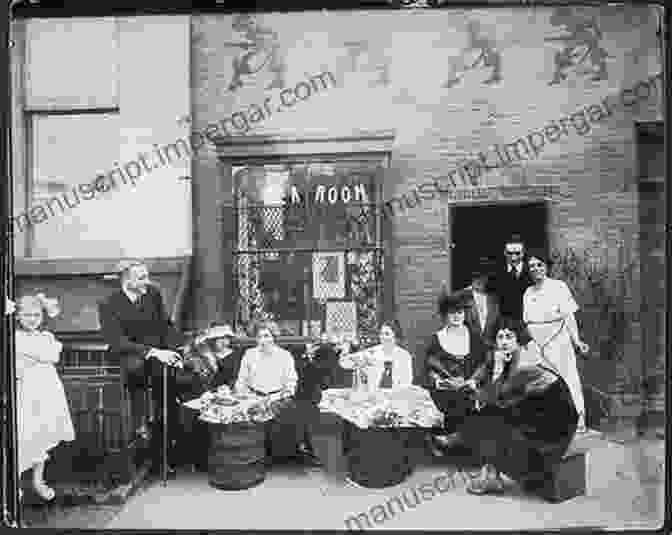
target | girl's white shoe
x=44, y=491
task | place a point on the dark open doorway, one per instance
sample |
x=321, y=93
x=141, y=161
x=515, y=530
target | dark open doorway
x=481, y=231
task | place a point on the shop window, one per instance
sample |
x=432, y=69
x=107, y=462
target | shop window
x=308, y=252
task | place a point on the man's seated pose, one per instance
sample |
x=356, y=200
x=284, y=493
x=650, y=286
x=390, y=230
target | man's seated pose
x=268, y=369
x=139, y=332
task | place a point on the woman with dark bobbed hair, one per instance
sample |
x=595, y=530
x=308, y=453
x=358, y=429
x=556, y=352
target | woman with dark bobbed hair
x=454, y=368
x=526, y=417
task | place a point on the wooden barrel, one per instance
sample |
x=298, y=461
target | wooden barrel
x=237, y=455
x=378, y=458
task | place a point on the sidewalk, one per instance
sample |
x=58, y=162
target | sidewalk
x=625, y=490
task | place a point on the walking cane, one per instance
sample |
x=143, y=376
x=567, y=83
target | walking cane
x=164, y=453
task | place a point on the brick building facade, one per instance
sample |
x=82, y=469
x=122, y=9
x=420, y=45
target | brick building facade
x=410, y=98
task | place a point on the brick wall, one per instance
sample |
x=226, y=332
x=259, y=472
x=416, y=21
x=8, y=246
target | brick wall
x=396, y=81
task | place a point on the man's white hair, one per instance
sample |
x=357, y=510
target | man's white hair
x=124, y=267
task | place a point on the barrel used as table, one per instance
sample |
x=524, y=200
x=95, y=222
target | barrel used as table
x=378, y=457
x=237, y=454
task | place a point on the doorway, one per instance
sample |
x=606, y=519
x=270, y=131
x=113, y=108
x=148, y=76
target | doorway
x=480, y=231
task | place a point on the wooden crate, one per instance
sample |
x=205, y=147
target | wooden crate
x=569, y=476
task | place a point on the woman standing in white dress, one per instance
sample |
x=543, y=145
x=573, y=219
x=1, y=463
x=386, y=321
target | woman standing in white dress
x=548, y=311
x=43, y=414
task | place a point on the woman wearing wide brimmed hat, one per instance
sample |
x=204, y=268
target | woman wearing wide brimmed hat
x=220, y=337
x=211, y=362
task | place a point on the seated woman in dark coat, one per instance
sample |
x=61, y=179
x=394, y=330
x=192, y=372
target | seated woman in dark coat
x=526, y=417
x=228, y=358
x=455, y=368
x=210, y=362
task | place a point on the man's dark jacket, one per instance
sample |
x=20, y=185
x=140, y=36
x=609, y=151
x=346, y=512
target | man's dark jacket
x=131, y=330
x=509, y=290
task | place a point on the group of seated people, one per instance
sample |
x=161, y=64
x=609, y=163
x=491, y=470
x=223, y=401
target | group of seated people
x=502, y=369
x=504, y=394
x=504, y=403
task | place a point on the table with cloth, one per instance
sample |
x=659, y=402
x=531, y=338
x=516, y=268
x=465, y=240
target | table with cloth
x=379, y=427
x=237, y=425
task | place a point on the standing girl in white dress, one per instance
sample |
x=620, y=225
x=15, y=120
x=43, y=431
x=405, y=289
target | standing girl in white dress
x=43, y=414
x=548, y=310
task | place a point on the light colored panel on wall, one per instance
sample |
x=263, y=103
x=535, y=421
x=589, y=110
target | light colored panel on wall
x=69, y=150
x=72, y=63
x=154, y=94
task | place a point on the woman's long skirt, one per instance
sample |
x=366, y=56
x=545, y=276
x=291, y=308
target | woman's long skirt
x=525, y=441
x=456, y=406
x=558, y=349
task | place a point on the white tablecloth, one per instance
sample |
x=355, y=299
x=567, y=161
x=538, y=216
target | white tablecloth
x=413, y=406
x=234, y=413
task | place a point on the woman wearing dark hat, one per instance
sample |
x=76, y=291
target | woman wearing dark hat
x=548, y=310
x=228, y=358
x=211, y=362
x=526, y=417
x=454, y=369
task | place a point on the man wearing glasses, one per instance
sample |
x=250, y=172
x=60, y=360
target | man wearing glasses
x=512, y=281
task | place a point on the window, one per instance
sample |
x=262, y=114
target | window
x=68, y=150
x=72, y=130
x=308, y=251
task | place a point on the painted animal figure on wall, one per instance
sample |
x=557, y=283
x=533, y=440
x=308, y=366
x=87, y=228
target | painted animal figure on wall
x=260, y=49
x=487, y=57
x=581, y=44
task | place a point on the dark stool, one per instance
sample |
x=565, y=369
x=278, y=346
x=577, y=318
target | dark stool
x=237, y=456
x=378, y=458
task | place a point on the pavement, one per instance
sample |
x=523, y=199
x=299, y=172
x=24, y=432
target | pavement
x=625, y=490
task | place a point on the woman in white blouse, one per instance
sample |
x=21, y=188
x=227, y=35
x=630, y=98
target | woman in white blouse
x=388, y=365
x=548, y=310
x=43, y=413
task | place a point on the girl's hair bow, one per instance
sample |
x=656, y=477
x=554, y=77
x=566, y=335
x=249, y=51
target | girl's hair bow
x=50, y=305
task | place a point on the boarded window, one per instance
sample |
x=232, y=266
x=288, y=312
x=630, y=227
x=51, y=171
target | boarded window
x=72, y=63
x=69, y=150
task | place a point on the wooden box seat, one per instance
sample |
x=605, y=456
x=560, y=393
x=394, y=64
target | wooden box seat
x=569, y=476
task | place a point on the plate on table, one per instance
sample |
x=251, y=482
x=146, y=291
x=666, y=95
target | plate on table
x=226, y=402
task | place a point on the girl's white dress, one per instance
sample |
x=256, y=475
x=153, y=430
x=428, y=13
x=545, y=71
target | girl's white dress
x=546, y=312
x=43, y=413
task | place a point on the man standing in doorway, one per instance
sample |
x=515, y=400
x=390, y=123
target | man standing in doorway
x=139, y=332
x=510, y=283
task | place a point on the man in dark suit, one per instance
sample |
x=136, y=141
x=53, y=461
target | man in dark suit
x=512, y=281
x=139, y=332
x=483, y=310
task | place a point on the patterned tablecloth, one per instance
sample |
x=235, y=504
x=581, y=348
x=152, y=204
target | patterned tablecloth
x=224, y=407
x=399, y=407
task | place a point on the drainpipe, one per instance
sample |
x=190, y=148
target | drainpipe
x=181, y=294
x=10, y=513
